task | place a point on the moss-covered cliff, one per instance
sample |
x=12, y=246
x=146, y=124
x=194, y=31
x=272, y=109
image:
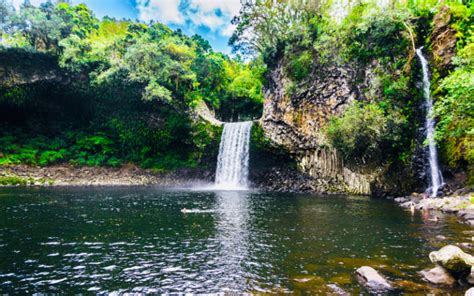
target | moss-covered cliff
x=347, y=102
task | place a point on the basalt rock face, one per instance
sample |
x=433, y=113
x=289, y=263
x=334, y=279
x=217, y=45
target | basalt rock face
x=443, y=41
x=296, y=121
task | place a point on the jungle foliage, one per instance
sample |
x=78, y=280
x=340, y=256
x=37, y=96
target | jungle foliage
x=105, y=92
x=383, y=124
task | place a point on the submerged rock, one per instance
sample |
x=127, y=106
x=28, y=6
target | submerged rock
x=410, y=287
x=439, y=276
x=372, y=280
x=308, y=282
x=452, y=258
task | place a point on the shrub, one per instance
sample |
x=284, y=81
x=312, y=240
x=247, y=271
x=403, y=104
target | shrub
x=299, y=65
x=455, y=110
x=51, y=157
x=358, y=134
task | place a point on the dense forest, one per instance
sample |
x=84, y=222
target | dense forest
x=378, y=43
x=106, y=92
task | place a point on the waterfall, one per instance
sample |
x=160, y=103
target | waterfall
x=233, y=161
x=436, y=178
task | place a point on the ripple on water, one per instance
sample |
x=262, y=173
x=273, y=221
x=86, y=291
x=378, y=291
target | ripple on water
x=235, y=242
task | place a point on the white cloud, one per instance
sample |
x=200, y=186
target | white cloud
x=211, y=21
x=18, y=3
x=165, y=11
x=213, y=14
x=229, y=8
x=228, y=30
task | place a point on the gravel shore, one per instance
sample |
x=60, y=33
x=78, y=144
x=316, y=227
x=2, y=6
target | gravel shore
x=129, y=175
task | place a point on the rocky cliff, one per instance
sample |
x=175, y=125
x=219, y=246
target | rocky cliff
x=296, y=121
x=295, y=116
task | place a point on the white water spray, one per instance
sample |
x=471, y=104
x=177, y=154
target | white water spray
x=233, y=161
x=436, y=178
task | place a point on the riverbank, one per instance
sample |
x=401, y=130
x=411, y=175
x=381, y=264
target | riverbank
x=129, y=175
x=461, y=203
x=274, y=179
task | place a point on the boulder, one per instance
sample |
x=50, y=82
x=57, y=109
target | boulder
x=401, y=199
x=470, y=277
x=469, y=292
x=371, y=279
x=439, y=276
x=336, y=290
x=407, y=204
x=452, y=258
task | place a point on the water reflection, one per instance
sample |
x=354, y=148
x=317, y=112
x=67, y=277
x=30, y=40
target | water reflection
x=138, y=240
x=232, y=230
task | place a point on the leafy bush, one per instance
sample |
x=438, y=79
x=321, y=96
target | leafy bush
x=51, y=157
x=299, y=65
x=358, y=134
x=455, y=110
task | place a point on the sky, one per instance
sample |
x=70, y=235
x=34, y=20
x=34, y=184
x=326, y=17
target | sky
x=208, y=18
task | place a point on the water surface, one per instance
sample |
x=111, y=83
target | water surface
x=124, y=239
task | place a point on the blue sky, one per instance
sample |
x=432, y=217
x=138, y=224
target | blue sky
x=209, y=18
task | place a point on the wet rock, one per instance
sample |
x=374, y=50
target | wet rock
x=452, y=258
x=470, y=292
x=470, y=277
x=372, y=280
x=439, y=276
x=440, y=237
x=466, y=245
x=401, y=199
x=337, y=290
x=407, y=204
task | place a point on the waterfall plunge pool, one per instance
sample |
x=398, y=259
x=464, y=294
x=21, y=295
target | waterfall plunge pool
x=76, y=240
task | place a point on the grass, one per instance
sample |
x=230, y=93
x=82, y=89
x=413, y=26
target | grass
x=15, y=180
x=22, y=181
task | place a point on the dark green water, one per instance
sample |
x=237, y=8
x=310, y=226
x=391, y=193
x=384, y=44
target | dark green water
x=75, y=240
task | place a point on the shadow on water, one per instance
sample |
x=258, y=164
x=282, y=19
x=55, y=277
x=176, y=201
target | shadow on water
x=76, y=240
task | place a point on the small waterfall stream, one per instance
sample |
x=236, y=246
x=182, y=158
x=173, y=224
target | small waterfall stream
x=233, y=161
x=436, y=178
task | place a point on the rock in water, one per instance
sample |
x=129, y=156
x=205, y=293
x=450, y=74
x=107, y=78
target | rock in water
x=452, y=258
x=372, y=280
x=439, y=276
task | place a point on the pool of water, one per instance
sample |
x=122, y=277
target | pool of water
x=74, y=240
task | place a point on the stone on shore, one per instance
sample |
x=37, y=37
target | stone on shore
x=469, y=292
x=372, y=280
x=470, y=277
x=452, y=258
x=336, y=290
x=439, y=276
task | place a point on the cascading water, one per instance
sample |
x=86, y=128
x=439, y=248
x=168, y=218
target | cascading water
x=436, y=178
x=233, y=161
